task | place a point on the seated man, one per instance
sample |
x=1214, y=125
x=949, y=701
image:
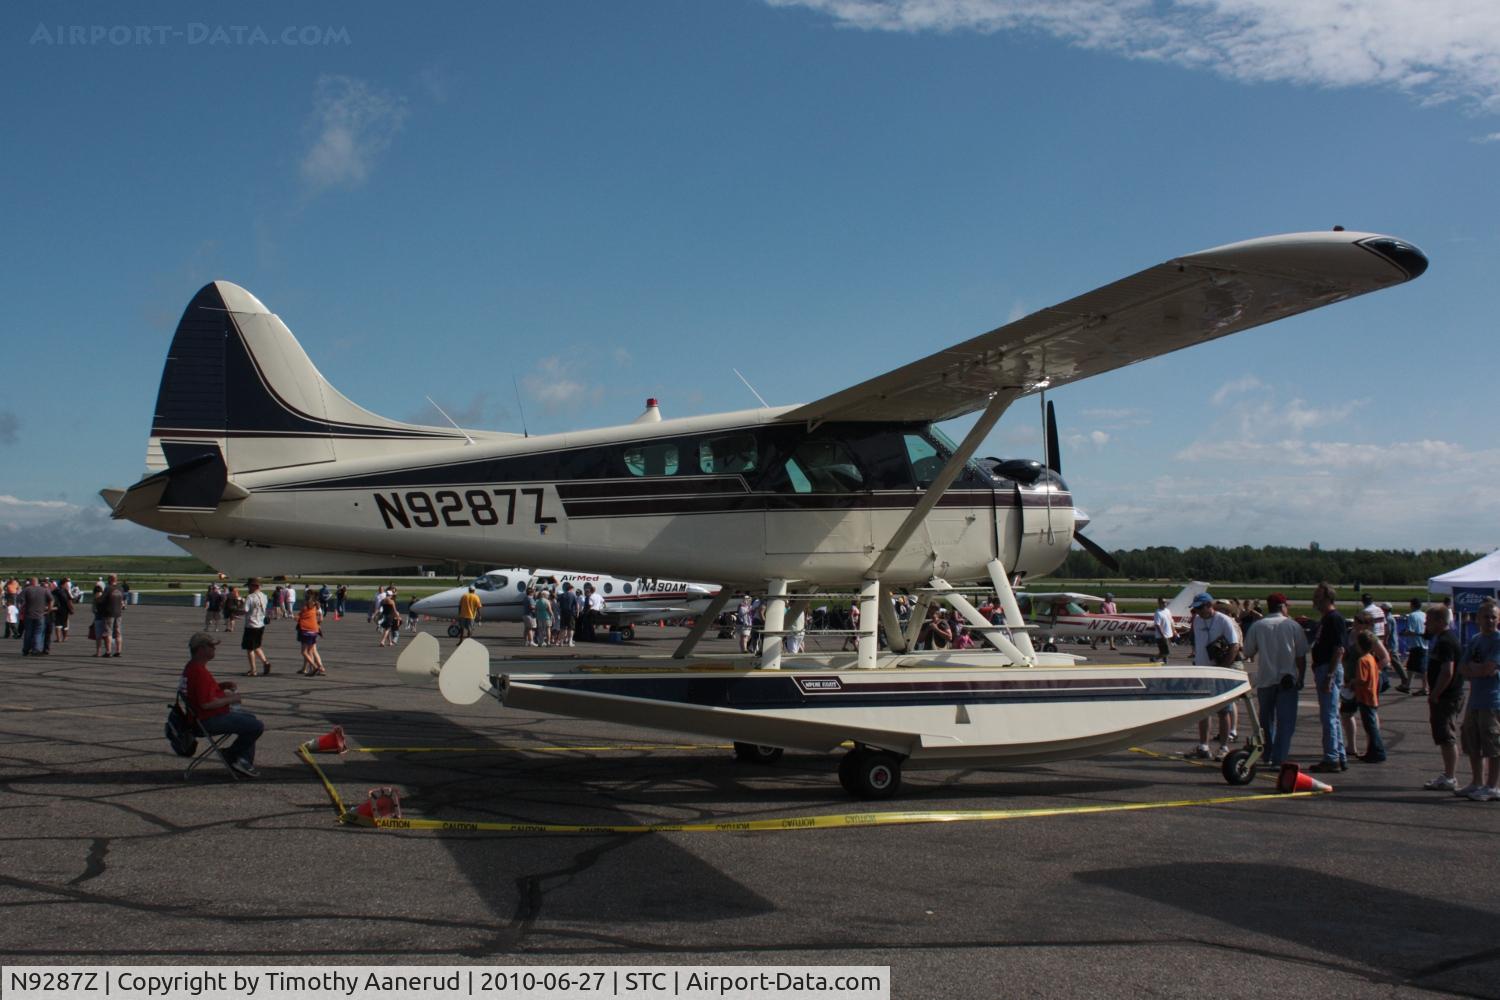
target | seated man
x=217, y=705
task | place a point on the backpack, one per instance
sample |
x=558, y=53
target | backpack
x=179, y=732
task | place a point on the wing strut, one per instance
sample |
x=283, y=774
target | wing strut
x=940, y=483
x=705, y=620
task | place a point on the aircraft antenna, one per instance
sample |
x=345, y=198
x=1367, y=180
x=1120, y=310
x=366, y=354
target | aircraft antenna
x=752, y=389
x=517, y=386
x=450, y=420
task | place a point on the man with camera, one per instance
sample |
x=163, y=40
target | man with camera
x=1279, y=648
x=1216, y=643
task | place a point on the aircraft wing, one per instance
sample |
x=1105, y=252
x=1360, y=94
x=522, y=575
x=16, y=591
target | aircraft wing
x=1077, y=598
x=635, y=612
x=1185, y=301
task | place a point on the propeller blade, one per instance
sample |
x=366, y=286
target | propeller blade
x=1054, y=452
x=1096, y=550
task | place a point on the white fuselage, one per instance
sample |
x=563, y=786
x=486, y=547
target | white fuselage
x=502, y=595
x=576, y=500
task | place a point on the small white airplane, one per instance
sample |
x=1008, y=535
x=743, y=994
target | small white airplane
x=257, y=465
x=627, y=600
x=1066, y=616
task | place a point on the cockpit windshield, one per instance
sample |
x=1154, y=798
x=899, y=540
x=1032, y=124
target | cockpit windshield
x=490, y=581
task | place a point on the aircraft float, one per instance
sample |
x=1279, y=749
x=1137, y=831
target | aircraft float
x=502, y=593
x=257, y=464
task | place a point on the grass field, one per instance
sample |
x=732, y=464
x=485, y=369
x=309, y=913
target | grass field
x=185, y=575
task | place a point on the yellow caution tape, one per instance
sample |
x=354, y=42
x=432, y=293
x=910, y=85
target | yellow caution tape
x=333, y=795
x=826, y=822
x=805, y=822
x=532, y=748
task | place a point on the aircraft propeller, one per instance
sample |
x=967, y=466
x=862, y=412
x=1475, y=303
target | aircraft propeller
x=1054, y=462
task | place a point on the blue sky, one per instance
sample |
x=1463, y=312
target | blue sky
x=608, y=201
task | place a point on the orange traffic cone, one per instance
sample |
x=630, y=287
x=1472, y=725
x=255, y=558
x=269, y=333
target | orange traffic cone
x=1292, y=779
x=330, y=742
x=383, y=803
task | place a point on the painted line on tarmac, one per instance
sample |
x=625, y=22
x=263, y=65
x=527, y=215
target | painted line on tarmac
x=1198, y=761
x=824, y=822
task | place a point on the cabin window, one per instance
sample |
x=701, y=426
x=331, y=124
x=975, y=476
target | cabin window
x=734, y=453
x=520, y=586
x=823, y=467
x=651, y=459
x=627, y=588
x=609, y=588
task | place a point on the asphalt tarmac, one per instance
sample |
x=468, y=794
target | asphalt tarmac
x=111, y=857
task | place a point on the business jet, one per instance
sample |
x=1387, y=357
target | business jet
x=627, y=601
x=255, y=461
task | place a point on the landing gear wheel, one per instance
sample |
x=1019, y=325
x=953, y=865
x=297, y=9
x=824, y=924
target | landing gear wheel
x=627, y=632
x=757, y=753
x=454, y=631
x=1049, y=647
x=870, y=774
x=1237, y=768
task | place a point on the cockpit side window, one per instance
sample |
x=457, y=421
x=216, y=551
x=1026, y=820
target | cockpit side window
x=823, y=466
x=491, y=581
x=926, y=463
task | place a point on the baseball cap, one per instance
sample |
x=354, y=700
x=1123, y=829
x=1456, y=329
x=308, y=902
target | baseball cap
x=201, y=639
x=1277, y=598
x=1202, y=599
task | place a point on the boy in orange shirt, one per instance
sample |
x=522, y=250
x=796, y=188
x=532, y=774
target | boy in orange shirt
x=1367, y=697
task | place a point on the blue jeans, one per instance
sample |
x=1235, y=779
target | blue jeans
x=34, y=636
x=246, y=727
x=1328, y=712
x=1278, y=716
x=1374, y=745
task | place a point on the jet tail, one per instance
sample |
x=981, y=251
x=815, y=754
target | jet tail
x=239, y=394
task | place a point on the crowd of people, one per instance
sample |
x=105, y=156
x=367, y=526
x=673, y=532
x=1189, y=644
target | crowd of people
x=1353, y=661
x=39, y=611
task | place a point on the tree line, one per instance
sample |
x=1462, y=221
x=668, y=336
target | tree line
x=1272, y=564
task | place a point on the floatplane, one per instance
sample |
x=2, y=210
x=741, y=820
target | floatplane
x=255, y=463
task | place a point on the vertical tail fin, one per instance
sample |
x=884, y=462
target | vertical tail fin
x=236, y=382
x=1181, y=605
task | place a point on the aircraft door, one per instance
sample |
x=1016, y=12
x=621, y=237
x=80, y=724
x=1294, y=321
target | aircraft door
x=825, y=510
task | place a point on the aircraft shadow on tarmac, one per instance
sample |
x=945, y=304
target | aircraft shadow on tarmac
x=688, y=786
x=606, y=878
x=1410, y=936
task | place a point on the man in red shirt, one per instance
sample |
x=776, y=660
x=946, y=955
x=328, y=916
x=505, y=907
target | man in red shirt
x=217, y=705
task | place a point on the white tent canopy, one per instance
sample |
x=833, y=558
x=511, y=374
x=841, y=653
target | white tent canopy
x=1482, y=572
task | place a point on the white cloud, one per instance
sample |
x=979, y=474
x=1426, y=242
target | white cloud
x=352, y=124
x=1438, y=50
x=1229, y=389
x=1094, y=440
x=554, y=386
x=59, y=528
